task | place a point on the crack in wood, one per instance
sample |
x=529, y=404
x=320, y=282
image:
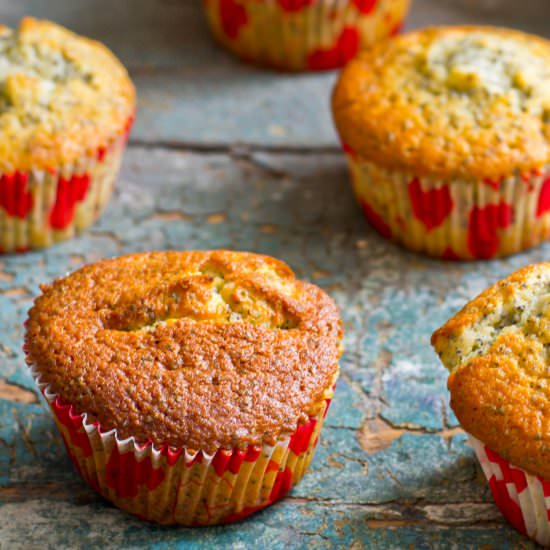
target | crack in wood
x=216, y=218
x=14, y=392
x=170, y=216
x=76, y=259
x=243, y=149
x=6, y=277
x=377, y=515
x=392, y=523
x=111, y=235
x=7, y=352
x=372, y=403
x=401, y=513
x=25, y=432
x=268, y=229
x=67, y=490
x=378, y=433
x=15, y=291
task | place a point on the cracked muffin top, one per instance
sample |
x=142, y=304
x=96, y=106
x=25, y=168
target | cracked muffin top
x=449, y=101
x=497, y=350
x=201, y=350
x=62, y=97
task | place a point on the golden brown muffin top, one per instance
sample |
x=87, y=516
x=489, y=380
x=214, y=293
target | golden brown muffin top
x=471, y=102
x=62, y=97
x=195, y=349
x=497, y=349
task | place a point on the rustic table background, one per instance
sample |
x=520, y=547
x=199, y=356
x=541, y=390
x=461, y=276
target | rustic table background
x=226, y=155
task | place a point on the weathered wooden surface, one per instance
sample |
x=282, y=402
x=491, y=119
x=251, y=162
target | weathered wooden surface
x=193, y=93
x=225, y=155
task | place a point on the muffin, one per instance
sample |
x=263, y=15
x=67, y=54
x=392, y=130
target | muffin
x=66, y=107
x=189, y=387
x=496, y=349
x=446, y=131
x=302, y=34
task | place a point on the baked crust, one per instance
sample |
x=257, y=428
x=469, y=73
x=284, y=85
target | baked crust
x=194, y=349
x=496, y=348
x=463, y=102
x=63, y=97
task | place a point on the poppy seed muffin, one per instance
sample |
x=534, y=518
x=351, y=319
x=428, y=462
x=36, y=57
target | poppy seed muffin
x=446, y=132
x=496, y=351
x=66, y=106
x=200, y=353
x=302, y=35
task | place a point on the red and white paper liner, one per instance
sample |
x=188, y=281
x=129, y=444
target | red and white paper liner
x=302, y=34
x=524, y=499
x=183, y=486
x=456, y=219
x=39, y=208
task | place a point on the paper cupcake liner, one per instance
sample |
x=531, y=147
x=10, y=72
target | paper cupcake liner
x=183, y=486
x=523, y=499
x=302, y=34
x=458, y=219
x=39, y=207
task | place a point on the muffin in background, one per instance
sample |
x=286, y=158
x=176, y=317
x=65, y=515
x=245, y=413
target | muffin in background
x=496, y=349
x=447, y=135
x=67, y=105
x=189, y=387
x=300, y=35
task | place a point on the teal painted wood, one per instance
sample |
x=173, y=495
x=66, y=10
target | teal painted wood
x=391, y=470
x=422, y=489
x=192, y=92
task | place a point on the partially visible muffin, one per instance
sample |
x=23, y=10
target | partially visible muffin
x=66, y=107
x=302, y=34
x=217, y=366
x=496, y=349
x=447, y=135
